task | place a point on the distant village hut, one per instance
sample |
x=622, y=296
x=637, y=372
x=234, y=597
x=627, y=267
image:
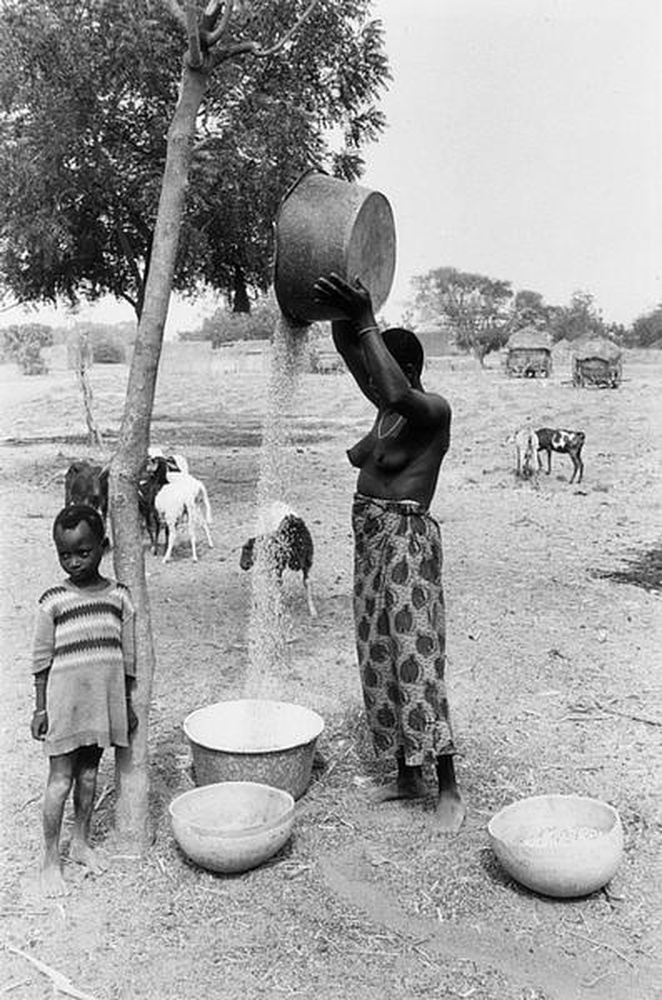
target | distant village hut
x=597, y=362
x=529, y=354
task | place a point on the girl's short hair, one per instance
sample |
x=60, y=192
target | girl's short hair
x=405, y=347
x=72, y=515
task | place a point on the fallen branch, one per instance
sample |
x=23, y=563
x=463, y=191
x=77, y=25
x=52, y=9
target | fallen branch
x=104, y=795
x=14, y=986
x=594, y=982
x=603, y=944
x=628, y=715
x=59, y=981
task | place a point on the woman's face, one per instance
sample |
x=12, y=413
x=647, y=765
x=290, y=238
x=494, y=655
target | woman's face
x=79, y=552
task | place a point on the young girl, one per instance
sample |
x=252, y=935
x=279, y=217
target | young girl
x=84, y=669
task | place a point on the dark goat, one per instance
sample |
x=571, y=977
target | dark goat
x=565, y=443
x=87, y=483
x=289, y=546
x=153, y=476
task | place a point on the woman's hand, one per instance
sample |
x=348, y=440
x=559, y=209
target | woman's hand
x=352, y=300
x=39, y=724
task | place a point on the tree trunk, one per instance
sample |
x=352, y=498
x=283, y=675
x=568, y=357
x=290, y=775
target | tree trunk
x=132, y=815
x=240, y=301
x=94, y=436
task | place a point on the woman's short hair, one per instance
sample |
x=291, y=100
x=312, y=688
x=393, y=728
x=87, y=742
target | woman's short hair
x=405, y=347
x=72, y=515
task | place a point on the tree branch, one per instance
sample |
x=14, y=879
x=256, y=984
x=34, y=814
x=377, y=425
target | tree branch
x=211, y=12
x=288, y=34
x=228, y=51
x=176, y=12
x=252, y=48
x=194, y=49
x=132, y=262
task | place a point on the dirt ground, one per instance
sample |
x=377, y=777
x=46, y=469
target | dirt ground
x=554, y=679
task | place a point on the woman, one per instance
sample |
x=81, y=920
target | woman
x=398, y=595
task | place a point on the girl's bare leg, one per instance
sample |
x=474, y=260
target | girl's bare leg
x=58, y=786
x=86, y=769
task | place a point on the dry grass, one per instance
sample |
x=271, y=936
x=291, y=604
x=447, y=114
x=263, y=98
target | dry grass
x=554, y=684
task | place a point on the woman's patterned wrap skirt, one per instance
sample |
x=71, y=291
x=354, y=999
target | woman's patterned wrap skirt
x=400, y=628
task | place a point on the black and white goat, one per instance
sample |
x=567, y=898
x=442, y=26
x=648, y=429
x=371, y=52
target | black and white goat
x=284, y=542
x=565, y=443
x=86, y=482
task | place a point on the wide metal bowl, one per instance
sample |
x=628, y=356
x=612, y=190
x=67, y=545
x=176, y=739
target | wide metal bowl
x=272, y=742
x=232, y=826
x=558, y=845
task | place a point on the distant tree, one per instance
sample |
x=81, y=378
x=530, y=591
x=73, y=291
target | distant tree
x=474, y=306
x=529, y=309
x=578, y=319
x=646, y=329
x=617, y=332
x=87, y=93
x=24, y=344
x=226, y=325
x=82, y=360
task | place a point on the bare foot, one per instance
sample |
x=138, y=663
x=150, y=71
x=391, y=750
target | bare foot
x=411, y=789
x=450, y=812
x=83, y=854
x=52, y=883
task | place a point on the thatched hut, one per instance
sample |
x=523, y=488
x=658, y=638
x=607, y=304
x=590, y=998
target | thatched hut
x=529, y=353
x=597, y=362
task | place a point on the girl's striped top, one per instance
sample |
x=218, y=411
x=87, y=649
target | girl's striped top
x=85, y=638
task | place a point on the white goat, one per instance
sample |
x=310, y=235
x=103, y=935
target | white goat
x=176, y=464
x=183, y=497
x=526, y=446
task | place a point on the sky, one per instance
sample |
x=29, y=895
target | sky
x=524, y=142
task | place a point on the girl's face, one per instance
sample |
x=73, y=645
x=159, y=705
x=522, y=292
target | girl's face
x=79, y=552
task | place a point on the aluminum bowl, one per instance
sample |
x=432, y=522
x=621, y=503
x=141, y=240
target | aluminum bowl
x=232, y=826
x=271, y=742
x=558, y=845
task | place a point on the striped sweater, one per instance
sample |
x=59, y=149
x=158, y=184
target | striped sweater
x=85, y=638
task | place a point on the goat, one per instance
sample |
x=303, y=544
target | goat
x=153, y=477
x=526, y=446
x=87, y=483
x=183, y=497
x=176, y=462
x=285, y=542
x=566, y=443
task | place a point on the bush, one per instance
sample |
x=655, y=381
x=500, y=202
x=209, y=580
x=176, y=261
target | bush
x=24, y=344
x=224, y=326
x=107, y=350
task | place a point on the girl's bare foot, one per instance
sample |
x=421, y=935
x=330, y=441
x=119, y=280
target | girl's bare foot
x=83, y=854
x=52, y=883
x=450, y=812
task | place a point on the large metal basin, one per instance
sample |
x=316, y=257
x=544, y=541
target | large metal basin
x=271, y=742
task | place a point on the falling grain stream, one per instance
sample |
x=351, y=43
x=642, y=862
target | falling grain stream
x=266, y=635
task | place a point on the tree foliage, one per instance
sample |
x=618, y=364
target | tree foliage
x=24, y=344
x=475, y=307
x=646, y=330
x=580, y=318
x=530, y=309
x=87, y=93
